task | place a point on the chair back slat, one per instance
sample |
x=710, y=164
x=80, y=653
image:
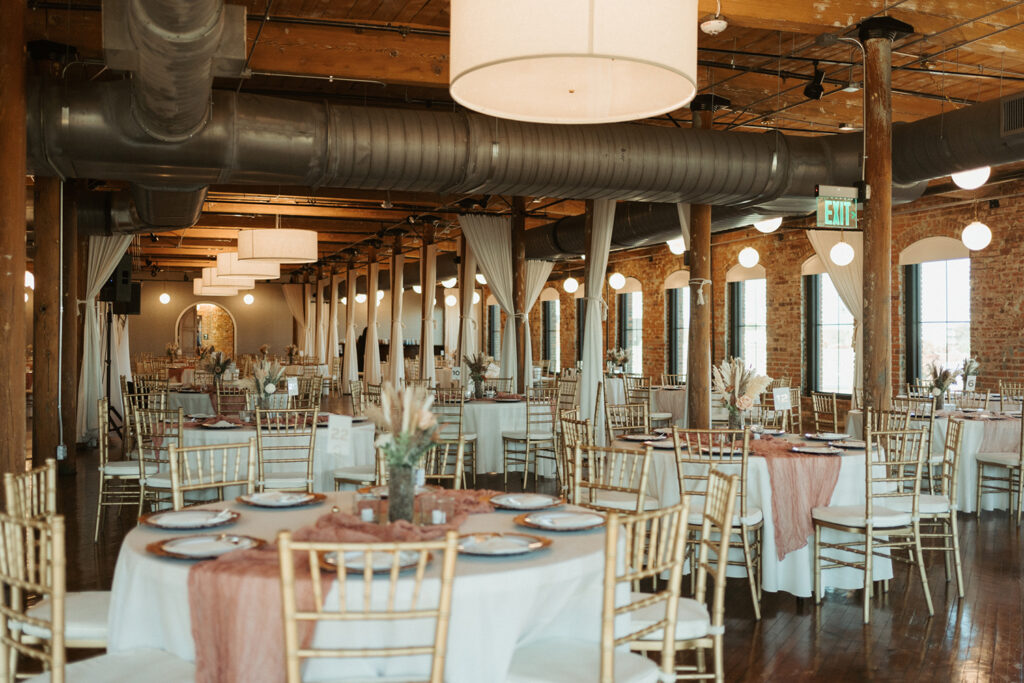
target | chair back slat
x=216, y=467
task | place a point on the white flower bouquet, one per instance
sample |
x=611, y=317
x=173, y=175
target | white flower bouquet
x=265, y=376
x=740, y=386
x=406, y=423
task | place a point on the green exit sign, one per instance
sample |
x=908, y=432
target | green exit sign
x=837, y=206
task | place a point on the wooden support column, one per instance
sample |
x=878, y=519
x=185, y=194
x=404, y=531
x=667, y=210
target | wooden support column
x=71, y=322
x=46, y=321
x=877, y=35
x=698, y=357
x=426, y=301
x=519, y=288
x=12, y=236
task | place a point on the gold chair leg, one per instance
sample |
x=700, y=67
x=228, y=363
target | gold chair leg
x=868, y=567
x=955, y=535
x=99, y=508
x=921, y=569
x=817, y=564
x=752, y=579
x=977, y=495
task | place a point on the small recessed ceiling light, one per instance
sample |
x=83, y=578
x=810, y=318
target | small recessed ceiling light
x=848, y=127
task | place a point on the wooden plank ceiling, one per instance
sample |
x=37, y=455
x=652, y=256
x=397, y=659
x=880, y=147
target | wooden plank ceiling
x=395, y=53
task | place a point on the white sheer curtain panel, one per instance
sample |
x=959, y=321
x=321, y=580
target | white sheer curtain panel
x=294, y=297
x=323, y=317
x=104, y=255
x=451, y=324
x=396, y=365
x=596, y=310
x=350, y=364
x=467, y=337
x=849, y=283
x=371, y=361
x=332, y=325
x=309, y=337
x=120, y=359
x=490, y=238
x=428, y=283
x=537, y=273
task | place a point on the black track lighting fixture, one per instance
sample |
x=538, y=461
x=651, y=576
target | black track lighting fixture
x=814, y=90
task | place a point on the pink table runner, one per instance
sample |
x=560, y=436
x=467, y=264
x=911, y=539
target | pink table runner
x=235, y=600
x=799, y=483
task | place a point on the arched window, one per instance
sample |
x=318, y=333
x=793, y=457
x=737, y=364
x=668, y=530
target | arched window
x=748, y=315
x=677, y=321
x=550, y=319
x=630, y=321
x=830, y=352
x=937, y=290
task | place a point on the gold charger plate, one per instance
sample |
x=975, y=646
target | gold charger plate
x=147, y=520
x=522, y=520
x=159, y=548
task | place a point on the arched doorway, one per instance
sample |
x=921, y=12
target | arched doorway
x=206, y=324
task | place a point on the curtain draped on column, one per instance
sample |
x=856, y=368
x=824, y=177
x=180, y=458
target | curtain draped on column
x=293, y=296
x=428, y=281
x=467, y=338
x=849, y=283
x=104, y=255
x=396, y=365
x=537, y=273
x=323, y=311
x=596, y=310
x=490, y=238
x=309, y=337
x=371, y=361
x=120, y=359
x=350, y=364
x=332, y=325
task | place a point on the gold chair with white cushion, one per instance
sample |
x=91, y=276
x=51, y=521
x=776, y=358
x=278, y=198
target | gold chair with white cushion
x=523, y=447
x=575, y=432
x=639, y=390
x=449, y=408
x=443, y=464
x=608, y=479
x=32, y=494
x=921, y=412
x=673, y=379
x=882, y=525
x=119, y=479
x=212, y=468
x=626, y=418
x=644, y=546
x=698, y=453
x=1002, y=473
x=699, y=628
x=826, y=415
x=1011, y=396
x=285, y=443
x=355, y=390
x=155, y=432
x=402, y=601
x=971, y=400
x=231, y=398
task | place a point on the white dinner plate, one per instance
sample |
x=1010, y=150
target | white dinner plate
x=853, y=444
x=189, y=519
x=280, y=499
x=525, y=501
x=355, y=561
x=223, y=424
x=642, y=437
x=773, y=432
x=203, y=547
x=561, y=521
x=817, y=450
x=663, y=445
x=827, y=436
x=497, y=543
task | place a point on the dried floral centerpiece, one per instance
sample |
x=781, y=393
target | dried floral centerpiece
x=942, y=378
x=265, y=376
x=477, y=365
x=292, y=351
x=408, y=429
x=172, y=350
x=740, y=387
x=970, y=368
x=217, y=363
x=618, y=358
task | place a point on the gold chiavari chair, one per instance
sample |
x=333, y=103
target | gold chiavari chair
x=33, y=562
x=130, y=401
x=443, y=464
x=575, y=432
x=826, y=416
x=449, y=408
x=769, y=396
x=638, y=390
x=151, y=383
x=971, y=400
x=537, y=441
x=700, y=626
x=212, y=468
x=939, y=509
x=355, y=390
x=638, y=547
x=1011, y=396
x=425, y=383
x=699, y=452
x=568, y=398
x=767, y=417
x=893, y=464
x=32, y=494
x=673, y=379
x=119, y=479
x=155, y=432
x=921, y=412
x=231, y=399
x=625, y=418
x=280, y=400
x=1002, y=473
x=310, y=392
x=285, y=443
x=888, y=420
x=795, y=416
x=371, y=396
x=615, y=479
x=599, y=404
x=919, y=389
x=202, y=378
x=499, y=385
x=366, y=598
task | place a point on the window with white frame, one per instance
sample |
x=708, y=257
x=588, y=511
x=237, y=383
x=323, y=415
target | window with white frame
x=550, y=326
x=677, y=322
x=630, y=324
x=748, y=321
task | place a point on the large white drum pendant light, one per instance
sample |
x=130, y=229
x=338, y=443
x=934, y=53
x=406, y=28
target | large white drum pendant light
x=573, y=61
x=199, y=289
x=211, y=278
x=284, y=245
x=228, y=264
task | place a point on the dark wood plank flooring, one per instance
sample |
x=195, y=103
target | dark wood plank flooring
x=980, y=638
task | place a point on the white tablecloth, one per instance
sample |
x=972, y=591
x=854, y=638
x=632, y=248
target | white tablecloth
x=671, y=401
x=488, y=420
x=967, y=467
x=321, y=369
x=614, y=390
x=794, y=573
x=497, y=603
x=191, y=403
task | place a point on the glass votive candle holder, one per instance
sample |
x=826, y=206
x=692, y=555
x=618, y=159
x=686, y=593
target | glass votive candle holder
x=368, y=507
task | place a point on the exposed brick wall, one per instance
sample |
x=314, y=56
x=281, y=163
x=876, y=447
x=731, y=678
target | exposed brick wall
x=218, y=328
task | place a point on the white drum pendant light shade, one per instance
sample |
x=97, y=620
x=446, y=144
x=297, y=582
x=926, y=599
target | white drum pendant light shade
x=573, y=61
x=283, y=245
x=228, y=264
x=199, y=289
x=211, y=278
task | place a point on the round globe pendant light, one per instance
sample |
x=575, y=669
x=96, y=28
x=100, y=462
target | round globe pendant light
x=976, y=236
x=973, y=178
x=617, y=281
x=481, y=279
x=573, y=61
x=283, y=245
x=199, y=289
x=676, y=246
x=228, y=264
x=749, y=257
x=768, y=225
x=449, y=283
x=450, y=300
x=417, y=289
x=476, y=297
x=360, y=298
x=211, y=278
x=841, y=253
x=570, y=285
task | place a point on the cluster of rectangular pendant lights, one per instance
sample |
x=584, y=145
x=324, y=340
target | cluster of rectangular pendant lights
x=259, y=257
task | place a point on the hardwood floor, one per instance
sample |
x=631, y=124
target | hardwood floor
x=978, y=639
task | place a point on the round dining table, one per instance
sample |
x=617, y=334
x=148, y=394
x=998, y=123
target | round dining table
x=488, y=419
x=498, y=603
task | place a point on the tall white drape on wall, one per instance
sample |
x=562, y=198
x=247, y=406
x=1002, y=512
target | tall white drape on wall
x=849, y=283
x=537, y=273
x=467, y=337
x=309, y=337
x=350, y=364
x=490, y=238
x=120, y=359
x=371, y=359
x=323, y=318
x=294, y=296
x=332, y=325
x=428, y=282
x=396, y=366
x=596, y=310
x=104, y=255
x=451, y=324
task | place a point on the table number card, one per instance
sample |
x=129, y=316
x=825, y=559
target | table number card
x=456, y=374
x=293, y=386
x=782, y=399
x=971, y=383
